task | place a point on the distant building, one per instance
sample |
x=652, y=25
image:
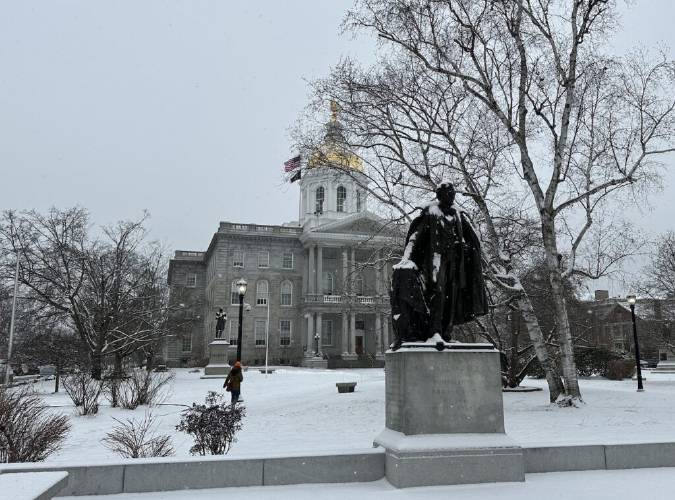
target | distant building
x=307, y=282
x=610, y=325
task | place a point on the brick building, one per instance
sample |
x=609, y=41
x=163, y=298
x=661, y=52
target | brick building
x=323, y=278
x=610, y=325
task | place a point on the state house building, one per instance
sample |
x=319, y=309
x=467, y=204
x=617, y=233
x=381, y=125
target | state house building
x=320, y=283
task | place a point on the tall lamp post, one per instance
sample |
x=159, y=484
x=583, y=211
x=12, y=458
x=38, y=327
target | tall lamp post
x=241, y=288
x=631, y=302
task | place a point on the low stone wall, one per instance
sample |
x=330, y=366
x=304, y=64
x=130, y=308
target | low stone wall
x=143, y=475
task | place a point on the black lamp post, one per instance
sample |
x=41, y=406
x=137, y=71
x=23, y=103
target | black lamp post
x=631, y=302
x=241, y=288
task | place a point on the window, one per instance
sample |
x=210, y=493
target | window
x=328, y=282
x=234, y=295
x=319, y=200
x=238, y=258
x=341, y=197
x=261, y=293
x=358, y=285
x=263, y=259
x=187, y=343
x=327, y=332
x=360, y=324
x=234, y=332
x=285, y=332
x=286, y=293
x=287, y=260
x=191, y=280
x=260, y=332
x=358, y=201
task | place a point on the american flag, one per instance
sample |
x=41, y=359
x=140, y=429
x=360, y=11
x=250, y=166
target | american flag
x=292, y=164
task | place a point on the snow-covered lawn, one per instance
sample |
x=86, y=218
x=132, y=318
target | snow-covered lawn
x=643, y=484
x=298, y=409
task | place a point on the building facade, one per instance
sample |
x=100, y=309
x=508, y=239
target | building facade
x=610, y=326
x=317, y=287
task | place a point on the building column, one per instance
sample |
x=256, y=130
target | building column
x=312, y=271
x=378, y=333
x=352, y=332
x=352, y=265
x=310, y=335
x=319, y=270
x=345, y=273
x=318, y=332
x=385, y=333
x=378, y=276
x=345, y=333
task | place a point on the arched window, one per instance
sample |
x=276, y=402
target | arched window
x=319, y=200
x=358, y=201
x=341, y=197
x=261, y=293
x=286, y=293
x=328, y=282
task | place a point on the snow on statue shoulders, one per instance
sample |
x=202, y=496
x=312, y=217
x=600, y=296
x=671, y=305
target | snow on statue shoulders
x=439, y=281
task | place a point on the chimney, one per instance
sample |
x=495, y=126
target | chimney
x=601, y=294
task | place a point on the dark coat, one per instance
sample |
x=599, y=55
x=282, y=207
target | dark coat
x=447, y=274
x=234, y=379
x=220, y=321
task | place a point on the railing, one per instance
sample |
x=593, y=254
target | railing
x=365, y=300
x=315, y=298
x=229, y=227
x=183, y=254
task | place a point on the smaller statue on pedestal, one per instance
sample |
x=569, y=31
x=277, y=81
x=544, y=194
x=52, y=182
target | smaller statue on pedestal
x=221, y=318
x=439, y=281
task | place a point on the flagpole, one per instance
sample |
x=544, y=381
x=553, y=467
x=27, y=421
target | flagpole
x=11, y=323
x=267, y=335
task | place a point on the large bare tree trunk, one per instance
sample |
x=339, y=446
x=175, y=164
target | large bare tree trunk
x=568, y=366
x=555, y=386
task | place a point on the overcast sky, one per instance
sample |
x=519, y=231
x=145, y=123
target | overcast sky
x=182, y=107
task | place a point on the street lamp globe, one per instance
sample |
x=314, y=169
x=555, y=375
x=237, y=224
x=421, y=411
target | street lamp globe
x=632, y=299
x=241, y=286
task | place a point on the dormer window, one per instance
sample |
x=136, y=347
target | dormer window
x=341, y=198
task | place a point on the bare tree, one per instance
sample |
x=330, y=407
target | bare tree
x=111, y=290
x=583, y=125
x=659, y=279
x=413, y=130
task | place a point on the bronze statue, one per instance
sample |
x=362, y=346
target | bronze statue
x=439, y=281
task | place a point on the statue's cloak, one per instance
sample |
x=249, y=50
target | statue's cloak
x=439, y=282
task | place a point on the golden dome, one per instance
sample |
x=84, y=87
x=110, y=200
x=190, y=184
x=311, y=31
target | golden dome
x=333, y=152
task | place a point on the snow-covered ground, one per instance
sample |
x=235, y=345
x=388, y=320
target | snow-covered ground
x=300, y=410
x=643, y=484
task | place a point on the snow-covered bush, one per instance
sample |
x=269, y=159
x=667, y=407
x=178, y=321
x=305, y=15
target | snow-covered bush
x=142, y=387
x=83, y=392
x=28, y=433
x=212, y=425
x=137, y=439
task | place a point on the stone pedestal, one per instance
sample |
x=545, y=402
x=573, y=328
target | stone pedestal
x=445, y=418
x=315, y=362
x=218, y=366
